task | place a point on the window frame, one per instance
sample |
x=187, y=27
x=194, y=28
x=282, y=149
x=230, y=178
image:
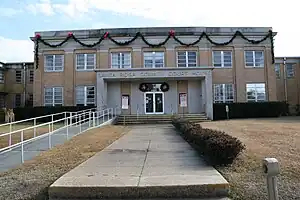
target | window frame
x=53, y=96
x=154, y=58
x=120, y=64
x=85, y=61
x=222, y=58
x=225, y=94
x=186, y=57
x=18, y=79
x=31, y=76
x=256, y=96
x=2, y=76
x=53, y=64
x=15, y=102
x=254, y=58
x=277, y=71
x=293, y=70
x=85, y=94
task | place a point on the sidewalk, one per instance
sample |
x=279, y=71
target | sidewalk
x=149, y=162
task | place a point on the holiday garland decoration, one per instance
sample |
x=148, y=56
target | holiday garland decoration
x=171, y=34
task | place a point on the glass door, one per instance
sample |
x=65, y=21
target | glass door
x=154, y=102
x=149, y=103
x=159, y=103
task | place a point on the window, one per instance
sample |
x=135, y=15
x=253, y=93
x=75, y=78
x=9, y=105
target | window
x=30, y=100
x=290, y=73
x=254, y=58
x=53, y=96
x=153, y=59
x=2, y=101
x=1, y=76
x=256, y=92
x=18, y=100
x=54, y=63
x=18, y=76
x=186, y=59
x=85, y=95
x=120, y=60
x=277, y=70
x=31, y=76
x=85, y=61
x=223, y=93
x=222, y=59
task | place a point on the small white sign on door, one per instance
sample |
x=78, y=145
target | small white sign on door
x=183, y=99
x=125, y=100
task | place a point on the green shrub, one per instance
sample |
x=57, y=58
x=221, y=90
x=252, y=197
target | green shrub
x=217, y=147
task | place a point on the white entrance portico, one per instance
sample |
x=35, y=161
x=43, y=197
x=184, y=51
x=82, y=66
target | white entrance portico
x=114, y=84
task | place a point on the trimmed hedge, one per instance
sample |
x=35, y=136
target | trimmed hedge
x=250, y=110
x=30, y=112
x=217, y=147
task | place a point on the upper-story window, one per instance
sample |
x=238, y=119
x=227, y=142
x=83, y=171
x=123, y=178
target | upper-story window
x=153, y=59
x=290, y=72
x=18, y=76
x=222, y=59
x=85, y=61
x=254, y=58
x=186, y=59
x=1, y=76
x=31, y=76
x=54, y=63
x=120, y=60
x=277, y=70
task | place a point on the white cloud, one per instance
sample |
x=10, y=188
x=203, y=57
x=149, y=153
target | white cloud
x=45, y=7
x=280, y=16
x=16, y=50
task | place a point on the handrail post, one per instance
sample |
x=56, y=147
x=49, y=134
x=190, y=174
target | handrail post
x=103, y=115
x=34, y=129
x=79, y=123
x=22, y=146
x=10, y=130
x=94, y=120
x=90, y=116
x=67, y=127
x=49, y=138
x=66, y=118
x=52, y=122
x=70, y=118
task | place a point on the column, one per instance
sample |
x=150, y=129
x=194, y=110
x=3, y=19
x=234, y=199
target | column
x=101, y=89
x=209, y=95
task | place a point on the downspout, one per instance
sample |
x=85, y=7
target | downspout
x=24, y=82
x=284, y=78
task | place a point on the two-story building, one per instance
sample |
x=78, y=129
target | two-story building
x=152, y=75
x=16, y=84
x=287, y=71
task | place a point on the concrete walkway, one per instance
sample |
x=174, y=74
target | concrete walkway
x=149, y=162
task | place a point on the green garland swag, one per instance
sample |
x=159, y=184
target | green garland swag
x=138, y=34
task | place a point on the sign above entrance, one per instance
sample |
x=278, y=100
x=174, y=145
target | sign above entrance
x=153, y=74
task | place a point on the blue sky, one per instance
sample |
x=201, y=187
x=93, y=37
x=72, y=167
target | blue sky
x=19, y=19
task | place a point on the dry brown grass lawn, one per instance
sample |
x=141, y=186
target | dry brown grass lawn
x=32, y=179
x=279, y=138
x=16, y=137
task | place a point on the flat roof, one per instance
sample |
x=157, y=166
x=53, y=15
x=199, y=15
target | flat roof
x=155, y=31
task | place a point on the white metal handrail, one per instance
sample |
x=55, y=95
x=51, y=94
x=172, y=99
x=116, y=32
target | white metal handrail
x=84, y=117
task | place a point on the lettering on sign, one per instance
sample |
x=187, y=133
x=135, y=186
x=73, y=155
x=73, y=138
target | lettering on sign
x=138, y=74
